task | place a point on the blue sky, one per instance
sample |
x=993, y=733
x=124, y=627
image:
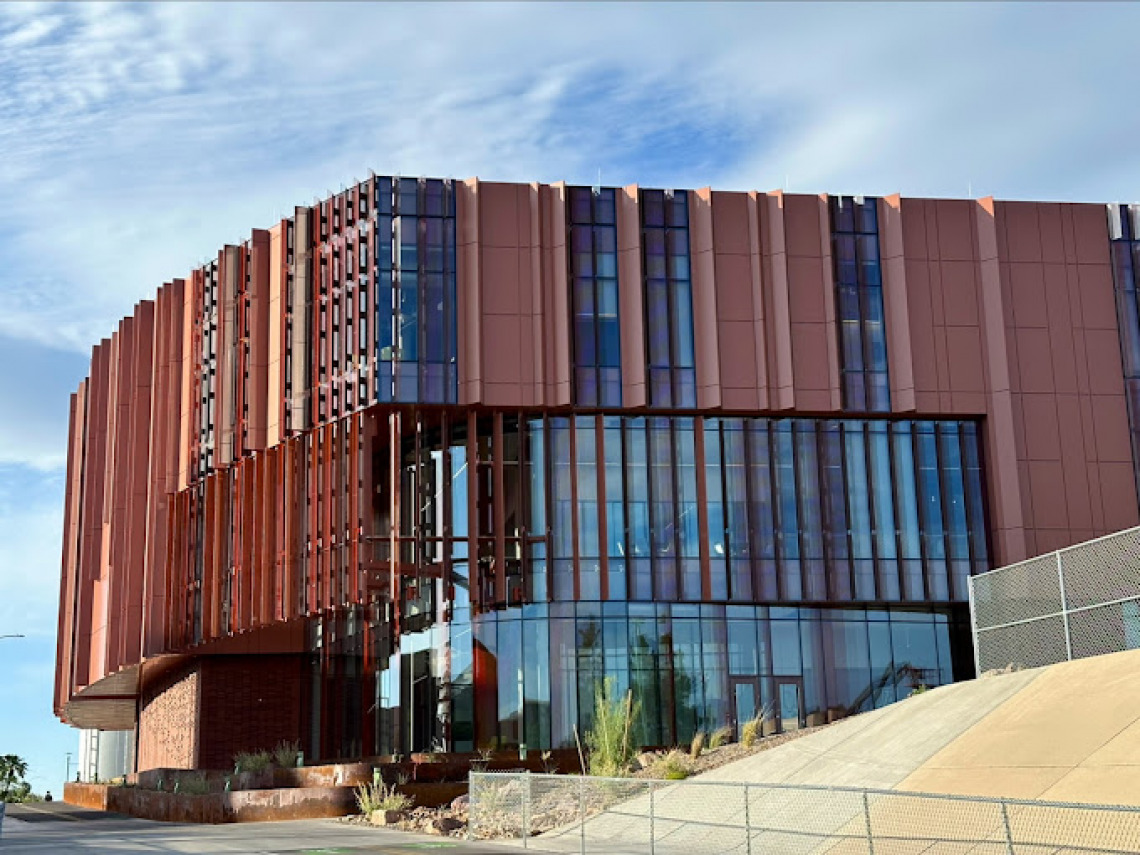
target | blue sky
x=137, y=139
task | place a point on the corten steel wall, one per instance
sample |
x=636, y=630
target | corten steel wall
x=221, y=450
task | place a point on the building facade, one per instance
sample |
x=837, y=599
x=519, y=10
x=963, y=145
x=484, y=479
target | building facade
x=420, y=466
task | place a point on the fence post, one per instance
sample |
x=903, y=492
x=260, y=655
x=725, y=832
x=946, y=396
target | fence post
x=1064, y=607
x=526, y=808
x=472, y=800
x=867, y=819
x=747, y=824
x=582, y=812
x=974, y=627
x=1008, y=833
x=652, y=818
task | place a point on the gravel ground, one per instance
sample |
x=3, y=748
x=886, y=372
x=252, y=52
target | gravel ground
x=717, y=757
x=451, y=821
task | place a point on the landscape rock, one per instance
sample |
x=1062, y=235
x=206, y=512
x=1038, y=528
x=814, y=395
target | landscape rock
x=385, y=817
x=446, y=825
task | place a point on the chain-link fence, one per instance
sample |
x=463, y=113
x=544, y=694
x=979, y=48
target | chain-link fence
x=564, y=813
x=1080, y=601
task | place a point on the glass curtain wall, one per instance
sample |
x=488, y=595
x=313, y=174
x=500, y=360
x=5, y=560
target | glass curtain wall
x=815, y=510
x=719, y=567
x=414, y=271
x=668, y=298
x=859, y=303
x=594, y=296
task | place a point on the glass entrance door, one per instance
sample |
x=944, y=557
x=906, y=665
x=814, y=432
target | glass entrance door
x=789, y=695
x=745, y=701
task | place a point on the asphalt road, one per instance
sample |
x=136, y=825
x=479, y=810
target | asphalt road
x=57, y=828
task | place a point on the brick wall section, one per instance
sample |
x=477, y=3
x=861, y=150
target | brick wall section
x=248, y=703
x=168, y=711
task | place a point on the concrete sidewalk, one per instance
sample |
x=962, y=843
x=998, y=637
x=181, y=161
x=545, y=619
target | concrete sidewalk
x=62, y=829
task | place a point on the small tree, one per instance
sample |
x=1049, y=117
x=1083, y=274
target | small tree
x=610, y=741
x=13, y=787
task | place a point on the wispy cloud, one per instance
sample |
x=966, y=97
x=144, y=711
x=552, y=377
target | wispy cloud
x=139, y=138
x=136, y=139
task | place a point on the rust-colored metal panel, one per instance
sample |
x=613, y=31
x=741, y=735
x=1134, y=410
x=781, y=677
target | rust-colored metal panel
x=210, y=548
x=166, y=401
x=155, y=536
x=777, y=311
x=69, y=569
x=300, y=295
x=186, y=432
x=375, y=243
x=91, y=520
x=703, y=272
x=230, y=282
x=556, y=317
x=533, y=264
x=139, y=452
x=740, y=315
x=117, y=516
x=830, y=313
x=631, y=304
x=896, y=310
x=1001, y=457
x=756, y=265
x=275, y=331
x=356, y=496
x=256, y=395
x=468, y=301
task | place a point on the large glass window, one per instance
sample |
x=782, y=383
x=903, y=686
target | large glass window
x=668, y=298
x=594, y=296
x=414, y=271
x=859, y=303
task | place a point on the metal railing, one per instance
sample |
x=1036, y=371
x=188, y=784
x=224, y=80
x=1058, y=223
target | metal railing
x=1080, y=601
x=564, y=813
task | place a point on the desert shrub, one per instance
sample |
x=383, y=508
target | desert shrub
x=194, y=785
x=377, y=796
x=674, y=766
x=752, y=730
x=286, y=753
x=697, y=745
x=721, y=736
x=610, y=739
x=252, y=761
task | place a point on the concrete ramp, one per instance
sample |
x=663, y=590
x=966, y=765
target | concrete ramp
x=1071, y=735
x=1067, y=732
x=880, y=749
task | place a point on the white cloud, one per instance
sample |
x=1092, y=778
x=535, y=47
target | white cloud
x=139, y=138
x=136, y=139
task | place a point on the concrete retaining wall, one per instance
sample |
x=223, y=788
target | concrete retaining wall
x=238, y=806
x=266, y=805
